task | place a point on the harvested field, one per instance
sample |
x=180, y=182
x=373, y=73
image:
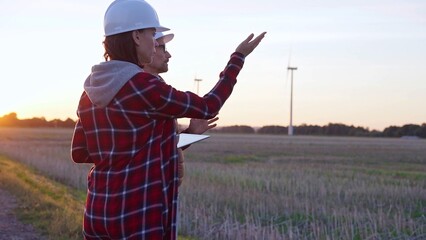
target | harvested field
x=274, y=187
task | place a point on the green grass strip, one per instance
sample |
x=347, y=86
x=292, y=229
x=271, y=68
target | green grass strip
x=54, y=209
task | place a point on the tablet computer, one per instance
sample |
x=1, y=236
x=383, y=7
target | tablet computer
x=187, y=139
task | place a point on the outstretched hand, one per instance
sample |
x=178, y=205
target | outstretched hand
x=248, y=45
x=199, y=126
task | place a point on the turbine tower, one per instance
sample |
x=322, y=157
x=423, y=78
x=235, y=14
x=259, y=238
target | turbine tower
x=197, y=81
x=290, y=126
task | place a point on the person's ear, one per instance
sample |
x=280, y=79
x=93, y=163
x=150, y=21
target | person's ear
x=136, y=37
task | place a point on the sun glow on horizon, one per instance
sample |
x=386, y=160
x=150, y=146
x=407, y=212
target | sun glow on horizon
x=360, y=64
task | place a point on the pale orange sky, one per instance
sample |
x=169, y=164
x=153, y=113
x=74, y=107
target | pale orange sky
x=360, y=62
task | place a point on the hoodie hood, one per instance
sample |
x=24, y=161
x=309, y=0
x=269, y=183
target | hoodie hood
x=107, y=78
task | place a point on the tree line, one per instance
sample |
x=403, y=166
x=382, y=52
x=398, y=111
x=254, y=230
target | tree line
x=11, y=120
x=332, y=129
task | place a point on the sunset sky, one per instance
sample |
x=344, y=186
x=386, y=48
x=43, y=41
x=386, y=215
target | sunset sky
x=359, y=62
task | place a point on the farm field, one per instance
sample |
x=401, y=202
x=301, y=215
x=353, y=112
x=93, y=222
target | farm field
x=274, y=187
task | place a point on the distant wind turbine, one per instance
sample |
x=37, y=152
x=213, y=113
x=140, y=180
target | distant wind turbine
x=197, y=81
x=291, y=69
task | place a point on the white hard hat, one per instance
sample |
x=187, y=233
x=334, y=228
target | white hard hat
x=128, y=15
x=166, y=38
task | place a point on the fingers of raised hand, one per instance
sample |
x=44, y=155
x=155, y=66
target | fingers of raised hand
x=259, y=38
x=249, y=44
x=250, y=37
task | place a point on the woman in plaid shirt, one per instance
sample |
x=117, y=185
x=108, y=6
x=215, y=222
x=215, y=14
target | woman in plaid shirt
x=126, y=129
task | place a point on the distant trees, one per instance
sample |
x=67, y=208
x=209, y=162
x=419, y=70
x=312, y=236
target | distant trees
x=406, y=130
x=422, y=131
x=332, y=129
x=235, y=129
x=274, y=129
x=11, y=120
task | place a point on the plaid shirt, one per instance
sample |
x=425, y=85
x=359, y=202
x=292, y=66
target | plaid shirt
x=132, y=187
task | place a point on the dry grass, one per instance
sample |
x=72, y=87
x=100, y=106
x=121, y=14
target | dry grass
x=54, y=209
x=275, y=187
x=47, y=150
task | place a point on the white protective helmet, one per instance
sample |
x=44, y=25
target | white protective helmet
x=128, y=15
x=166, y=38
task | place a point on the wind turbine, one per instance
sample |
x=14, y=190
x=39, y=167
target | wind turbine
x=197, y=81
x=291, y=69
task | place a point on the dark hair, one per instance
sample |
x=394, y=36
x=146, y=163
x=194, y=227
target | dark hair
x=121, y=47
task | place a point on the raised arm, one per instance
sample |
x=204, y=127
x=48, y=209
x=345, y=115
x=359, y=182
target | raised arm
x=159, y=100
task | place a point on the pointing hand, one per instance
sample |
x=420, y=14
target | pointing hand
x=248, y=45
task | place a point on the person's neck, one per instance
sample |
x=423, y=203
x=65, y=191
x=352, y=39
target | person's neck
x=150, y=71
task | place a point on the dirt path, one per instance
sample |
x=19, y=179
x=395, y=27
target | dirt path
x=10, y=227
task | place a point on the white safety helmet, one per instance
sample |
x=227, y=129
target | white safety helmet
x=166, y=38
x=128, y=15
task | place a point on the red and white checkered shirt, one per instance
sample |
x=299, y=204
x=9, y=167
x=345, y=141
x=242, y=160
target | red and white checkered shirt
x=132, y=187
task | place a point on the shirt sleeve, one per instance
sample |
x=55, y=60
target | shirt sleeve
x=79, y=153
x=159, y=100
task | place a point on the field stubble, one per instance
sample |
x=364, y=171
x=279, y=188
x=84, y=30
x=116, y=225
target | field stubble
x=274, y=187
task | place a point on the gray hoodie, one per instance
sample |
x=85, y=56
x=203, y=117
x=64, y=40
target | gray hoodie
x=107, y=78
